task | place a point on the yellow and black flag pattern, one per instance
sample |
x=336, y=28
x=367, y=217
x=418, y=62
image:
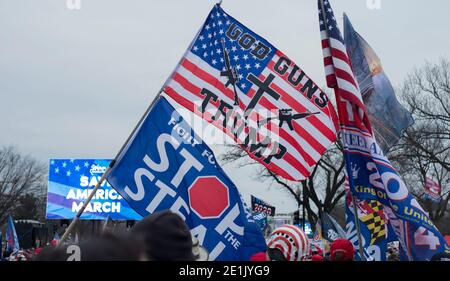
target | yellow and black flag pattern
x=375, y=222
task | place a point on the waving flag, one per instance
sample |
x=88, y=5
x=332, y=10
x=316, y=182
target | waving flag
x=250, y=90
x=371, y=175
x=165, y=165
x=260, y=206
x=388, y=116
x=331, y=230
x=12, y=242
x=261, y=220
x=373, y=227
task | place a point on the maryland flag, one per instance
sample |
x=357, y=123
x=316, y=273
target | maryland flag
x=374, y=219
x=373, y=226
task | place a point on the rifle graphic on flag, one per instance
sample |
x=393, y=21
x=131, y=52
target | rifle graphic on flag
x=230, y=73
x=371, y=175
x=264, y=82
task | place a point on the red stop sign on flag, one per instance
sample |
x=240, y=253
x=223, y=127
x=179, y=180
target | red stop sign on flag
x=208, y=197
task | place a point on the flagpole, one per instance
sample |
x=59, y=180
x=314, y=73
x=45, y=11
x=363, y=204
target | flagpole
x=113, y=162
x=358, y=230
x=303, y=210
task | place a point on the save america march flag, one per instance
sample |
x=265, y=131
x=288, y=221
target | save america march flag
x=371, y=175
x=250, y=90
x=165, y=165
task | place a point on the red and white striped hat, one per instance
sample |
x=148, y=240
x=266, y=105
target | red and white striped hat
x=291, y=241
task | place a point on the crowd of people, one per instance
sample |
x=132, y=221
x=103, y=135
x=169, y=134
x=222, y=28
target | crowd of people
x=164, y=236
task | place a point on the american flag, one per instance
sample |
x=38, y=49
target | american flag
x=364, y=159
x=243, y=85
x=432, y=187
x=338, y=68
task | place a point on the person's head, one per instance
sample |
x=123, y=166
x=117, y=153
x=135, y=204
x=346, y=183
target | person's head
x=51, y=254
x=106, y=247
x=111, y=247
x=317, y=258
x=342, y=250
x=288, y=243
x=166, y=237
x=54, y=243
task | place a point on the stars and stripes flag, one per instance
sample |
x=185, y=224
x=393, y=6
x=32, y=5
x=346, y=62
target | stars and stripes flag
x=432, y=190
x=371, y=175
x=240, y=83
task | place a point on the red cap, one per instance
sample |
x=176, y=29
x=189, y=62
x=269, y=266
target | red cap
x=54, y=243
x=259, y=257
x=344, y=247
x=317, y=258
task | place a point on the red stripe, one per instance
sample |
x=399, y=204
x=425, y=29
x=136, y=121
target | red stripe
x=283, y=134
x=208, y=78
x=272, y=166
x=331, y=81
x=328, y=61
x=314, y=120
x=289, y=138
x=345, y=76
x=277, y=245
x=299, y=129
x=301, y=234
x=285, y=96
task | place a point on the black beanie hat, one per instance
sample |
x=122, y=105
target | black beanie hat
x=166, y=237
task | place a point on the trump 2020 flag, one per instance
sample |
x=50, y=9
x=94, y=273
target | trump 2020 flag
x=388, y=117
x=12, y=242
x=165, y=165
x=331, y=230
x=260, y=206
x=247, y=88
x=371, y=175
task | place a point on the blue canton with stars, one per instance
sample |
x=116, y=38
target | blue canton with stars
x=208, y=46
x=333, y=29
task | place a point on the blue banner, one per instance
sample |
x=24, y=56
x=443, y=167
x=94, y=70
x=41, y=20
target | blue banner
x=12, y=242
x=331, y=230
x=372, y=178
x=260, y=206
x=261, y=220
x=373, y=227
x=166, y=165
x=70, y=182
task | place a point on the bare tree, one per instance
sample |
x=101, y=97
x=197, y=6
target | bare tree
x=425, y=147
x=321, y=192
x=19, y=175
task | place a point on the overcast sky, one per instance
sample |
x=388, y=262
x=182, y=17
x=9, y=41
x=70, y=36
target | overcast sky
x=73, y=83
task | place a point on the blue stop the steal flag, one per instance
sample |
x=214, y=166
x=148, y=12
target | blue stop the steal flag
x=166, y=166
